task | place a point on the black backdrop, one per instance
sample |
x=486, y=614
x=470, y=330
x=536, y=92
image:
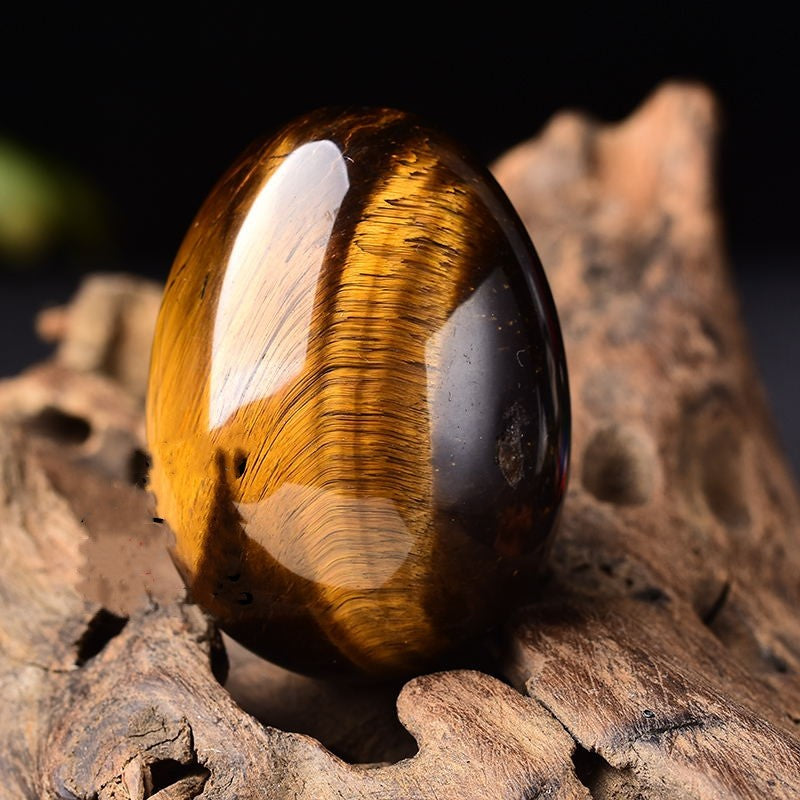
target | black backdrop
x=152, y=111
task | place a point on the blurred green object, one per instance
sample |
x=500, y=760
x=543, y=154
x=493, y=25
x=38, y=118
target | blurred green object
x=45, y=208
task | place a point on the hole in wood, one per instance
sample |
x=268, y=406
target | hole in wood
x=171, y=774
x=619, y=466
x=588, y=766
x=710, y=617
x=56, y=424
x=102, y=628
x=712, y=457
x=220, y=665
x=652, y=594
x=722, y=479
x=778, y=663
x=138, y=468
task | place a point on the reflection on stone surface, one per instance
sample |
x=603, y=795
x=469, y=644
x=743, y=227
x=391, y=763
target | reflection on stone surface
x=356, y=528
x=285, y=236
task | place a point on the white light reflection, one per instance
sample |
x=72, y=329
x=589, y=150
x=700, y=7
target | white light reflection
x=363, y=541
x=267, y=296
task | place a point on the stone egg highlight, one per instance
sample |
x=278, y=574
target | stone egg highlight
x=358, y=412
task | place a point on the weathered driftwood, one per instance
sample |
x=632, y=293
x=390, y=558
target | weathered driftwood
x=107, y=328
x=661, y=659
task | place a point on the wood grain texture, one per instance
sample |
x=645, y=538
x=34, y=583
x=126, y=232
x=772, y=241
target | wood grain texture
x=661, y=659
x=672, y=706
x=679, y=557
x=358, y=412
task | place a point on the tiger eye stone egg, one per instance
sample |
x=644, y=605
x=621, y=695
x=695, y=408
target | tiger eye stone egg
x=357, y=411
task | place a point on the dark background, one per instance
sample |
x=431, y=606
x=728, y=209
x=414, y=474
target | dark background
x=152, y=112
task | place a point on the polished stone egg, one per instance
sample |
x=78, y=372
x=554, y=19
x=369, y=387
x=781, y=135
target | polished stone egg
x=358, y=413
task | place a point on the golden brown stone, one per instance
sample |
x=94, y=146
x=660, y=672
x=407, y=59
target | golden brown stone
x=357, y=411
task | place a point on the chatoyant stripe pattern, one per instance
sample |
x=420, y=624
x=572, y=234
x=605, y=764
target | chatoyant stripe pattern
x=357, y=410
